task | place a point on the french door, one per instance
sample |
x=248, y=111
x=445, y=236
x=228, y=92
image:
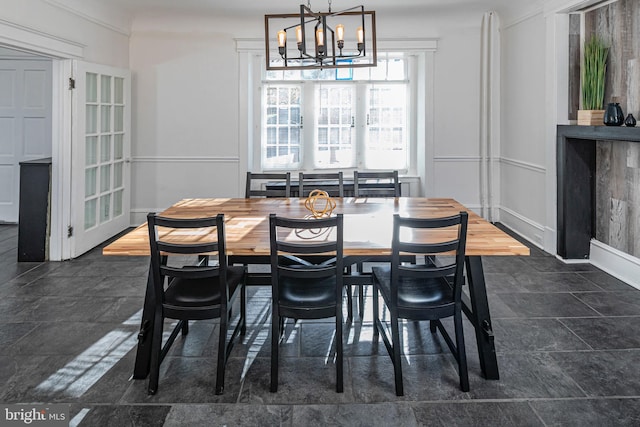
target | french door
x=100, y=151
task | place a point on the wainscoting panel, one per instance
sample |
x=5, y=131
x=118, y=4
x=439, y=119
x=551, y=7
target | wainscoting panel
x=159, y=182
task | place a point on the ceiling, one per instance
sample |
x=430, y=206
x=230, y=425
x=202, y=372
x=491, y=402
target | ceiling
x=252, y=7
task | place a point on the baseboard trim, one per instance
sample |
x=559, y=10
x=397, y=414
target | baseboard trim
x=615, y=262
x=530, y=230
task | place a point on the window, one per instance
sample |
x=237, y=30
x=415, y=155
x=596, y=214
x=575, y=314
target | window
x=323, y=119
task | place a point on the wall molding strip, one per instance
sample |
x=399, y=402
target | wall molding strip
x=185, y=159
x=525, y=165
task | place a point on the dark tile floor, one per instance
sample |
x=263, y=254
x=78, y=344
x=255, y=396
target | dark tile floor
x=567, y=336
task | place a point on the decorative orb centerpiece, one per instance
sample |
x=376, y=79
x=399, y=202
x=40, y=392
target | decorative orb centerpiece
x=319, y=204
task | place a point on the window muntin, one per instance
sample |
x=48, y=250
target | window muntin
x=282, y=125
x=386, y=145
x=335, y=118
x=352, y=120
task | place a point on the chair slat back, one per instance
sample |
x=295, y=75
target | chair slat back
x=376, y=184
x=430, y=270
x=257, y=185
x=164, y=235
x=332, y=183
x=326, y=241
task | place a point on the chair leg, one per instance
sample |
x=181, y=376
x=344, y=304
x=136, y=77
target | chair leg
x=376, y=313
x=397, y=362
x=339, y=352
x=275, y=342
x=462, y=354
x=156, y=349
x=433, y=326
x=349, y=299
x=243, y=309
x=222, y=350
x=360, y=269
x=185, y=327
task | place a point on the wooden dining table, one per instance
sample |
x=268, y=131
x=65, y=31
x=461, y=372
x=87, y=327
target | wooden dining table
x=368, y=224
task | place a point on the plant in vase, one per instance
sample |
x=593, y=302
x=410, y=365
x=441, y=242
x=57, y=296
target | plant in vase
x=594, y=68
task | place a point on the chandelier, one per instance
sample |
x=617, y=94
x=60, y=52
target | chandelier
x=305, y=40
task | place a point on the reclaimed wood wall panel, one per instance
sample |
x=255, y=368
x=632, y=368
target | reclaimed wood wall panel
x=618, y=195
x=618, y=24
x=617, y=201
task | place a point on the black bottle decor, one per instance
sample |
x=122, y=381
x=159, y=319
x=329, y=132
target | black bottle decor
x=613, y=115
x=630, y=121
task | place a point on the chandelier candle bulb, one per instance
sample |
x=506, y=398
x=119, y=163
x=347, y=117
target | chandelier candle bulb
x=340, y=36
x=299, y=34
x=320, y=36
x=282, y=42
x=360, y=37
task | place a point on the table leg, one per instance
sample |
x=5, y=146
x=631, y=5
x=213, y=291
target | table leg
x=481, y=318
x=143, y=354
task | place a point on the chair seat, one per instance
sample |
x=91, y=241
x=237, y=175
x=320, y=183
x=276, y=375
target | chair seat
x=312, y=293
x=199, y=292
x=415, y=293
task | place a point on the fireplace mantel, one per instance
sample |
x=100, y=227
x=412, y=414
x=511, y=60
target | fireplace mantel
x=576, y=170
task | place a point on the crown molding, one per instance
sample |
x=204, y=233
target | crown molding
x=30, y=40
x=113, y=19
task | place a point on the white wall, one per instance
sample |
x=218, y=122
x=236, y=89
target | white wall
x=102, y=42
x=185, y=118
x=523, y=163
x=186, y=112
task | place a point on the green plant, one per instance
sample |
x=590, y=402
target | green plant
x=594, y=68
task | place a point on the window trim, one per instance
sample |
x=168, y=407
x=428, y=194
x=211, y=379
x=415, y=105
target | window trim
x=422, y=53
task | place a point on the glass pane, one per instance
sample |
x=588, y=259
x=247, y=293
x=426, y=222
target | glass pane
x=105, y=178
x=379, y=72
x=283, y=115
x=118, y=119
x=91, y=150
x=90, y=176
x=105, y=207
x=117, y=146
x=272, y=115
x=91, y=87
x=91, y=123
x=117, y=175
x=396, y=69
x=117, y=203
x=105, y=148
x=105, y=89
x=90, y=213
x=105, y=118
x=118, y=90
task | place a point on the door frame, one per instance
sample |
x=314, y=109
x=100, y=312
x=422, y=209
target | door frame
x=61, y=52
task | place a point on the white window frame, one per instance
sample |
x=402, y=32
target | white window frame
x=421, y=54
x=309, y=158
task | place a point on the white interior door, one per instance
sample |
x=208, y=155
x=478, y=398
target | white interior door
x=25, y=124
x=101, y=145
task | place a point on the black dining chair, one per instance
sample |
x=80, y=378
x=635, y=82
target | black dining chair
x=372, y=185
x=429, y=291
x=196, y=291
x=331, y=182
x=376, y=184
x=306, y=290
x=257, y=185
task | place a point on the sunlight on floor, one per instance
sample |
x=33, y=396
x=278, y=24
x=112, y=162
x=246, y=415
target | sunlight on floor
x=79, y=375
